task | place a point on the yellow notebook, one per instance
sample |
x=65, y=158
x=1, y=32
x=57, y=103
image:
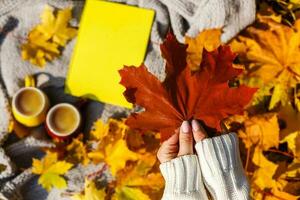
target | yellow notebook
x=110, y=36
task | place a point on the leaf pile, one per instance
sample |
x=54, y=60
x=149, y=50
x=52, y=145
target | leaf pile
x=284, y=11
x=270, y=128
x=184, y=94
x=270, y=55
x=130, y=156
x=46, y=40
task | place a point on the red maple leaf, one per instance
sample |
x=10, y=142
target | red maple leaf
x=184, y=95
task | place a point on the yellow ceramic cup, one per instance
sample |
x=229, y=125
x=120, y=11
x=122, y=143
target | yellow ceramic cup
x=30, y=106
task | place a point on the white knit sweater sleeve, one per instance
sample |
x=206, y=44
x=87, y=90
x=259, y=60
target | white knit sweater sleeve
x=222, y=169
x=183, y=179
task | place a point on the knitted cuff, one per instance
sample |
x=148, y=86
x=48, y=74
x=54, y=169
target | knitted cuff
x=183, y=179
x=223, y=171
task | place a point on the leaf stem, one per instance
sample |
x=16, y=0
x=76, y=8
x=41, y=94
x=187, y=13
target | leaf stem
x=281, y=152
x=247, y=159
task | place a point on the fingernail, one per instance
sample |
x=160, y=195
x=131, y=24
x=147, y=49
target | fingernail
x=185, y=127
x=195, y=125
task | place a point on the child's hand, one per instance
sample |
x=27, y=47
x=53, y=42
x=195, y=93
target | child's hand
x=181, y=143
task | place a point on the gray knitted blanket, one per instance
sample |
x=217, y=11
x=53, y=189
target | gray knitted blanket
x=18, y=17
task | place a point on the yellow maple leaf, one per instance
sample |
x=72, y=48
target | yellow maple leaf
x=130, y=193
x=291, y=119
x=258, y=130
x=112, y=130
x=37, y=52
x=99, y=130
x=90, y=192
x=293, y=140
x=56, y=28
x=50, y=171
x=77, y=152
x=280, y=195
x=263, y=176
x=269, y=181
x=115, y=155
x=136, y=175
x=130, y=182
x=44, y=41
x=118, y=144
x=112, y=148
x=271, y=54
x=208, y=39
x=279, y=95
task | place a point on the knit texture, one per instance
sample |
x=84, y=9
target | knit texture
x=11, y=190
x=5, y=162
x=189, y=17
x=183, y=179
x=5, y=115
x=17, y=18
x=15, y=23
x=222, y=168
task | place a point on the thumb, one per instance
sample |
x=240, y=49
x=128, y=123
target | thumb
x=185, y=139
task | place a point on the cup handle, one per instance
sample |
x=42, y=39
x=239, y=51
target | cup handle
x=29, y=81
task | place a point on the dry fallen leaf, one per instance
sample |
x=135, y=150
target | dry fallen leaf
x=263, y=176
x=45, y=41
x=99, y=130
x=130, y=182
x=76, y=151
x=293, y=140
x=130, y=193
x=51, y=171
x=280, y=195
x=131, y=158
x=208, y=40
x=282, y=11
x=272, y=170
x=270, y=54
x=291, y=118
x=113, y=151
x=265, y=183
x=116, y=155
x=90, y=192
x=261, y=131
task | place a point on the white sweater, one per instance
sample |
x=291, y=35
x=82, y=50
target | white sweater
x=217, y=165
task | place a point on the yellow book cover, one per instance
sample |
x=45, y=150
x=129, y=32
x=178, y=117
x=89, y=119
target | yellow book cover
x=110, y=36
